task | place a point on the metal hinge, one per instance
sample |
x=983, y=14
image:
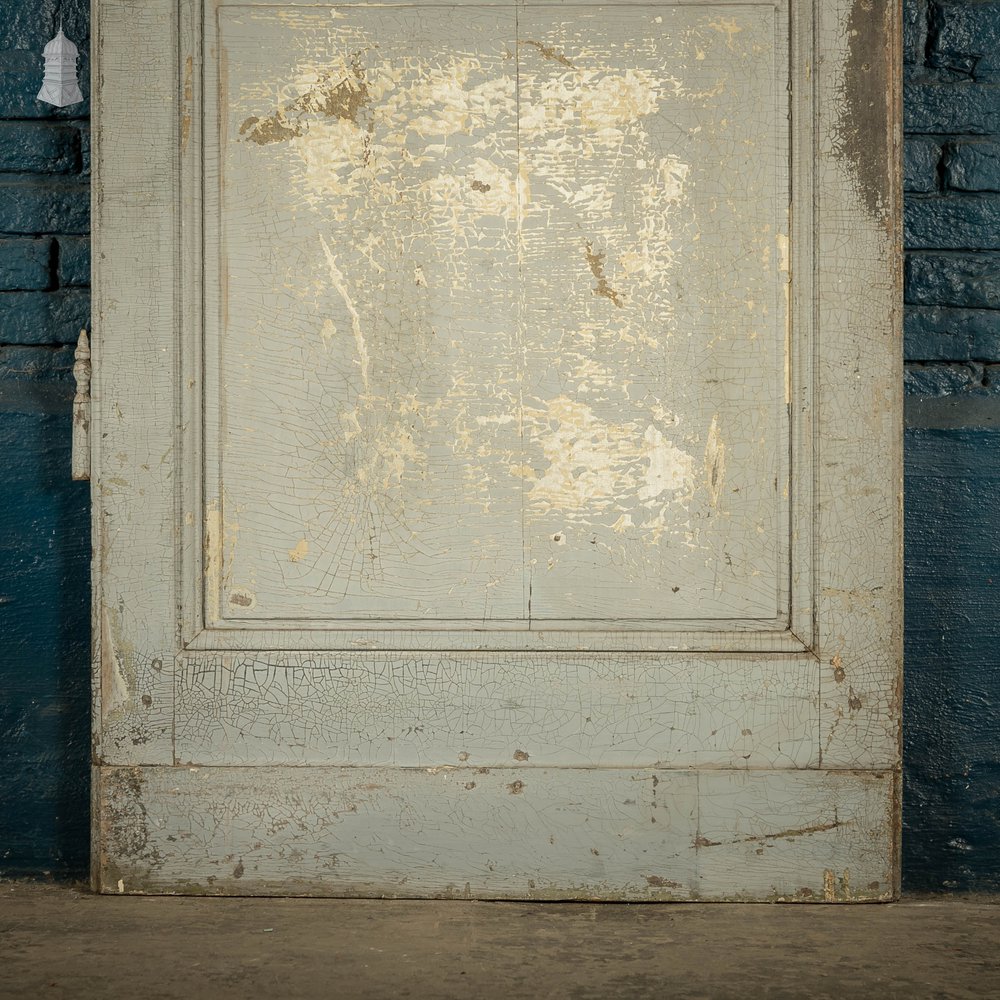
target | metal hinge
x=80, y=460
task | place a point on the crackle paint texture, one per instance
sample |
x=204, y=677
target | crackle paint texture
x=491, y=516
x=953, y=557
x=500, y=277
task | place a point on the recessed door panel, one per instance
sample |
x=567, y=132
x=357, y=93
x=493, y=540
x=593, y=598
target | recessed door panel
x=482, y=290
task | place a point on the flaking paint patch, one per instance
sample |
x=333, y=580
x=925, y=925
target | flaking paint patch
x=829, y=886
x=116, y=695
x=595, y=260
x=187, y=102
x=213, y=569
x=339, y=93
x=729, y=28
x=594, y=467
x=715, y=462
x=785, y=267
x=340, y=284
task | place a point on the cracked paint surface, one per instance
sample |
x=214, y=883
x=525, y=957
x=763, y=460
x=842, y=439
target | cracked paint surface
x=454, y=384
x=517, y=283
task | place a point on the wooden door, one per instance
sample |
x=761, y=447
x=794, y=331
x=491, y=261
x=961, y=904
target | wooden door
x=496, y=449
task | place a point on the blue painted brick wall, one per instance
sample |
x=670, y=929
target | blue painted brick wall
x=44, y=517
x=952, y=343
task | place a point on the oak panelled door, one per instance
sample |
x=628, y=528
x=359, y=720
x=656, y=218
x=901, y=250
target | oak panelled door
x=496, y=449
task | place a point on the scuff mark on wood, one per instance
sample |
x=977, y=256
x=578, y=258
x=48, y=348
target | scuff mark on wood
x=116, y=693
x=862, y=139
x=548, y=52
x=657, y=882
x=802, y=831
x=187, y=102
x=715, y=462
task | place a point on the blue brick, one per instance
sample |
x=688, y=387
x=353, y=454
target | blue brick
x=914, y=31
x=44, y=621
x=952, y=108
x=43, y=317
x=934, y=333
x=29, y=24
x=84, y=128
x=969, y=280
x=973, y=166
x=955, y=222
x=921, y=157
x=936, y=380
x=967, y=38
x=952, y=696
x=19, y=363
x=25, y=264
x=38, y=147
x=74, y=260
x=53, y=205
x=44, y=518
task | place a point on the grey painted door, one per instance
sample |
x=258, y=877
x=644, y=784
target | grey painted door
x=496, y=449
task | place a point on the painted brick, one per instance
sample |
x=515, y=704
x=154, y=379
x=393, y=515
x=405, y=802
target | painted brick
x=43, y=317
x=966, y=38
x=34, y=365
x=54, y=205
x=29, y=24
x=955, y=222
x=969, y=379
x=932, y=333
x=921, y=157
x=44, y=516
x=38, y=147
x=44, y=622
x=25, y=27
x=951, y=757
x=914, y=31
x=25, y=264
x=973, y=166
x=970, y=280
x=74, y=260
x=952, y=108
x=84, y=128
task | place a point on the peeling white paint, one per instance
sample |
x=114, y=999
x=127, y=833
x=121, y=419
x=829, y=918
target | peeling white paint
x=339, y=283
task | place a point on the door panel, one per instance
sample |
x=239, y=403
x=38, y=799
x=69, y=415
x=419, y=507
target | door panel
x=514, y=390
x=368, y=345
x=640, y=835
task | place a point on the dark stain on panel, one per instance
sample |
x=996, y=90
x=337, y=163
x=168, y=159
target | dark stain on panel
x=861, y=135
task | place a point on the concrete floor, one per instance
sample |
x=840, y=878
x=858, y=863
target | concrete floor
x=58, y=942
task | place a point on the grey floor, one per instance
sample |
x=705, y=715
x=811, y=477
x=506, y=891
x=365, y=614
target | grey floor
x=59, y=942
